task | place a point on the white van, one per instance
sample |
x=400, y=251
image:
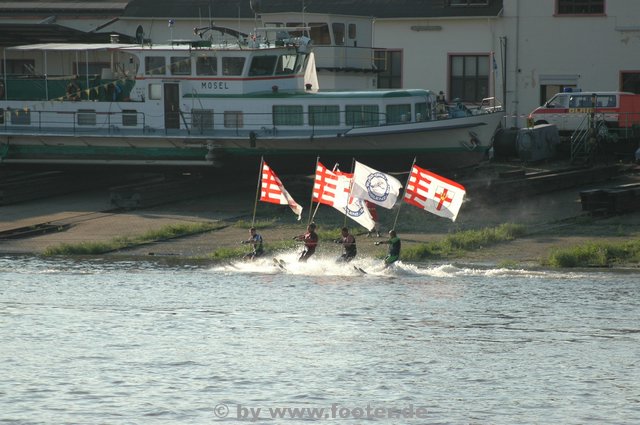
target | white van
x=568, y=111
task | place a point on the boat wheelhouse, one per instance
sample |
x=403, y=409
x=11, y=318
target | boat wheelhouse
x=191, y=103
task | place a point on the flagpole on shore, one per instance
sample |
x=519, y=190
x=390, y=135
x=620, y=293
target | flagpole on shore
x=404, y=192
x=312, y=213
x=255, y=204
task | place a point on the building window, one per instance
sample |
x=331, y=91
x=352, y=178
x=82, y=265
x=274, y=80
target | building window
x=547, y=91
x=361, y=115
x=287, y=115
x=468, y=2
x=469, y=77
x=389, y=64
x=180, y=65
x=324, y=115
x=579, y=7
x=630, y=81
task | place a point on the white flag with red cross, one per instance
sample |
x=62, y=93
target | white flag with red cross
x=434, y=193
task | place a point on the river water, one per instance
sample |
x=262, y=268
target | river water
x=105, y=342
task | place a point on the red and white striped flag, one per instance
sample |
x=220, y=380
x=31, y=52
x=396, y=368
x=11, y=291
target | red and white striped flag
x=434, y=193
x=274, y=192
x=332, y=188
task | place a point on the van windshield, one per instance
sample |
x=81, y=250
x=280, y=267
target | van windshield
x=558, y=101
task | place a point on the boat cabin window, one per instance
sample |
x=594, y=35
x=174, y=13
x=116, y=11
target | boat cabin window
x=262, y=65
x=233, y=119
x=206, y=65
x=319, y=33
x=422, y=111
x=324, y=115
x=180, y=65
x=155, y=91
x=19, y=67
x=21, y=117
x=129, y=118
x=232, y=65
x=362, y=115
x=352, y=31
x=287, y=115
x=398, y=113
x=90, y=68
x=86, y=117
x=1, y=116
x=338, y=33
x=154, y=65
x=286, y=64
x=202, y=119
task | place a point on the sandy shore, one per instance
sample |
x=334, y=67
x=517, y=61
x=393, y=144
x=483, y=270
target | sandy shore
x=554, y=220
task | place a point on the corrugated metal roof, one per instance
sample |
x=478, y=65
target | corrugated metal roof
x=375, y=8
x=58, y=6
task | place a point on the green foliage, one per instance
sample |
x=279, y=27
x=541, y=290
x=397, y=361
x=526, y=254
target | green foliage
x=595, y=255
x=469, y=240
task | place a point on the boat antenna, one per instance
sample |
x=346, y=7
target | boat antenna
x=404, y=193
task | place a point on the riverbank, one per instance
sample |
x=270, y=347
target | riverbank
x=553, y=220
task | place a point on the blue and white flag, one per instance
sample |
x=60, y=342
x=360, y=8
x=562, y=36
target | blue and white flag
x=374, y=186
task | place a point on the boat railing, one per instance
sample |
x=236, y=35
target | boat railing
x=197, y=123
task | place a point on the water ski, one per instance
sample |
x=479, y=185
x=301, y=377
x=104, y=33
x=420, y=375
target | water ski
x=280, y=264
x=359, y=269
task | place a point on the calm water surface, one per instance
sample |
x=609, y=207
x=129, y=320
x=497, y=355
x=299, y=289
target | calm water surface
x=138, y=343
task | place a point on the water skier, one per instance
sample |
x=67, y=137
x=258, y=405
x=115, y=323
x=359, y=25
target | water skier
x=394, y=248
x=255, y=239
x=348, y=242
x=310, y=240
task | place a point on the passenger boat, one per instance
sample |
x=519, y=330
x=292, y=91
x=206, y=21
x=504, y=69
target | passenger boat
x=193, y=103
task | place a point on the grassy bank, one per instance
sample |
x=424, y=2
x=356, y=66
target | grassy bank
x=456, y=244
x=164, y=233
x=596, y=255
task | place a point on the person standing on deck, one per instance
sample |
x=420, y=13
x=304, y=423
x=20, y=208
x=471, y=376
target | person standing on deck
x=310, y=240
x=394, y=248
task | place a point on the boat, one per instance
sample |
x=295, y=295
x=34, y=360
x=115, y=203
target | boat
x=199, y=104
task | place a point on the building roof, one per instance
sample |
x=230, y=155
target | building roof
x=65, y=7
x=246, y=8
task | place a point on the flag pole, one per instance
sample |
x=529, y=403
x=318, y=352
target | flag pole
x=312, y=213
x=404, y=192
x=255, y=204
x=353, y=164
